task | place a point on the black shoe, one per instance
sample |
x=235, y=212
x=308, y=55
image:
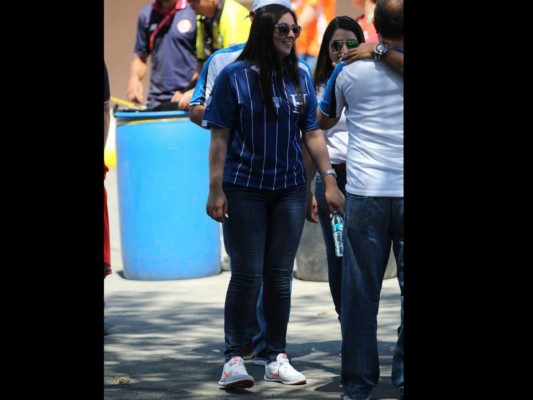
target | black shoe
x=261, y=358
x=247, y=350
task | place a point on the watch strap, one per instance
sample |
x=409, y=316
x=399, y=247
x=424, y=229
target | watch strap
x=327, y=172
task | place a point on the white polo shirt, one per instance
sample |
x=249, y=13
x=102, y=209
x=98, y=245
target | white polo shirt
x=371, y=95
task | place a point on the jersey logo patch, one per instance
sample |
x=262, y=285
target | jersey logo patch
x=298, y=99
x=184, y=26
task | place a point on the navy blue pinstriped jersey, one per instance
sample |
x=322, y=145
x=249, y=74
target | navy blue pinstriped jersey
x=263, y=153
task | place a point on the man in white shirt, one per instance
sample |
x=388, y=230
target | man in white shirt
x=372, y=95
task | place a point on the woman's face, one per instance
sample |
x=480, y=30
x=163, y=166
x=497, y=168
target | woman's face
x=341, y=35
x=284, y=40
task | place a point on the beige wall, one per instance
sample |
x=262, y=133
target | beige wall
x=349, y=7
x=120, y=20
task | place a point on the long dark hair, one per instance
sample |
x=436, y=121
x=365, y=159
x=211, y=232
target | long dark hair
x=260, y=50
x=324, y=68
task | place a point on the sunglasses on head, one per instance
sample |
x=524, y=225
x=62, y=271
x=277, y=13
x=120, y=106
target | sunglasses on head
x=284, y=29
x=337, y=44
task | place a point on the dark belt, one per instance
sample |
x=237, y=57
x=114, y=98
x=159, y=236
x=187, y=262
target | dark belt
x=339, y=168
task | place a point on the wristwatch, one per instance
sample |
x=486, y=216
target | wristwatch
x=380, y=50
x=330, y=171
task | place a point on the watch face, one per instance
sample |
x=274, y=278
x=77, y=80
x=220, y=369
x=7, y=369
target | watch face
x=381, y=48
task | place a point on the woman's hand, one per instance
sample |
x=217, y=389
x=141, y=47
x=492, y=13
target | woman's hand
x=217, y=207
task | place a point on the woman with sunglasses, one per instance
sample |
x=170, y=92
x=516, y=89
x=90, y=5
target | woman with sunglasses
x=261, y=112
x=342, y=34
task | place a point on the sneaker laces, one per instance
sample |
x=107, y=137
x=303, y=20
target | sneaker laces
x=237, y=365
x=284, y=364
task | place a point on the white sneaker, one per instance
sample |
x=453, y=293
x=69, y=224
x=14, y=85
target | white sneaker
x=235, y=375
x=282, y=371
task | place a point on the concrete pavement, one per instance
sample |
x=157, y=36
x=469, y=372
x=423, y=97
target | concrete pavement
x=166, y=338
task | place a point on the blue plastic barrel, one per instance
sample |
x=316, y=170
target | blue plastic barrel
x=163, y=184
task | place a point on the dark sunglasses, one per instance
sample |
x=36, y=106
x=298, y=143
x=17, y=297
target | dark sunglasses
x=284, y=29
x=337, y=44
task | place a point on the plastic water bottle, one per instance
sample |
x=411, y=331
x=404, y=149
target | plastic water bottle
x=337, y=226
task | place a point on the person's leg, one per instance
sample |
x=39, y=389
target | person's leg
x=254, y=342
x=286, y=217
x=255, y=338
x=259, y=342
x=253, y=329
x=246, y=235
x=107, y=243
x=259, y=338
x=367, y=242
x=397, y=360
x=334, y=262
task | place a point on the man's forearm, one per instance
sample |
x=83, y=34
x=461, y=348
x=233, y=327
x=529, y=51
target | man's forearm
x=137, y=68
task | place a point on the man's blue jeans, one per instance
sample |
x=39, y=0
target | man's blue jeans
x=334, y=262
x=263, y=232
x=371, y=224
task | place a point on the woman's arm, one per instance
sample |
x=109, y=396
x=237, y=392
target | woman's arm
x=316, y=145
x=216, y=206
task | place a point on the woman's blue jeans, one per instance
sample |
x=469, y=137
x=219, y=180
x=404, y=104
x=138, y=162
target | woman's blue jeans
x=371, y=224
x=263, y=232
x=334, y=262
